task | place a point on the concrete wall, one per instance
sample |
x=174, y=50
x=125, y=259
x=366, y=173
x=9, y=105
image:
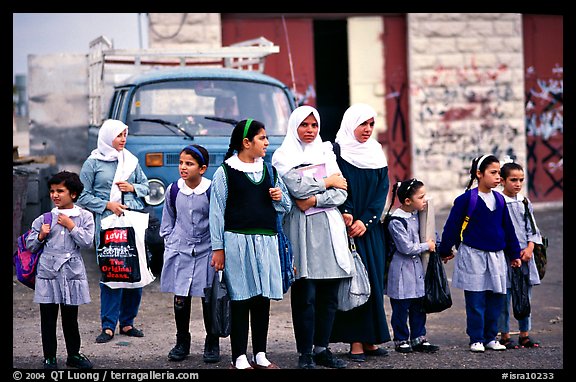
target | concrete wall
x=467, y=95
x=179, y=30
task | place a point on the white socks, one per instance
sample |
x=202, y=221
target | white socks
x=242, y=362
x=261, y=359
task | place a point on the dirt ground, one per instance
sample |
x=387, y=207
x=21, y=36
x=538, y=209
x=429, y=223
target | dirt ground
x=446, y=329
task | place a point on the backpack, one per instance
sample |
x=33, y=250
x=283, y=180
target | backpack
x=389, y=245
x=25, y=260
x=174, y=189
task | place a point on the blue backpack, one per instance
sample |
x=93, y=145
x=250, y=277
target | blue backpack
x=25, y=260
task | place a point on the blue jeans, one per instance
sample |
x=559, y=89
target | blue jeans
x=404, y=312
x=524, y=325
x=482, y=312
x=118, y=305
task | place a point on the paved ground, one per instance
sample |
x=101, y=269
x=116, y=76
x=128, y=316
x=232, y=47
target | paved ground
x=446, y=329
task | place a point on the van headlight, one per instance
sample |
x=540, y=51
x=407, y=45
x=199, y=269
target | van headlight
x=157, y=192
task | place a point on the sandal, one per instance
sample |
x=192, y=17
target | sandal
x=132, y=332
x=104, y=336
x=526, y=342
x=509, y=343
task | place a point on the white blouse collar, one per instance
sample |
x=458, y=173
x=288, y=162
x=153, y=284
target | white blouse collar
x=237, y=164
x=74, y=211
x=200, y=189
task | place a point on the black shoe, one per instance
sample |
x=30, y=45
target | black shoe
x=403, y=347
x=132, y=332
x=425, y=347
x=378, y=352
x=357, y=357
x=50, y=363
x=104, y=336
x=211, y=349
x=327, y=359
x=305, y=361
x=79, y=361
x=182, y=348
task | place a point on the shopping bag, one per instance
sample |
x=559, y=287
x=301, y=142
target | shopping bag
x=437, y=297
x=354, y=291
x=218, y=301
x=121, y=254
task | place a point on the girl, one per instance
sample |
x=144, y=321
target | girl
x=186, y=270
x=483, y=245
x=512, y=175
x=243, y=210
x=363, y=164
x=319, y=240
x=406, y=275
x=109, y=172
x=61, y=279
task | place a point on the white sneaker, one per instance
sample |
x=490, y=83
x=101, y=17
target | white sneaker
x=495, y=345
x=477, y=347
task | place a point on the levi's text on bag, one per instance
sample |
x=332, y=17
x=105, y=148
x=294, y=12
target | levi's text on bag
x=118, y=256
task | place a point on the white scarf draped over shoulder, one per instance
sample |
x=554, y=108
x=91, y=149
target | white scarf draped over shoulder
x=367, y=155
x=293, y=152
x=127, y=161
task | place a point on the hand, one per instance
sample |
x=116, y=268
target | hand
x=348, y=219
x=516, y=263
x=218, y=259
x=431, y=245
x=445, y=259
x=526, y=254
x=275, y=193
x=336, y=180
x=304, y=204
x=65, y=221
x=357, y=229
x=125, y=186
x=117, y=208
x=44, y=232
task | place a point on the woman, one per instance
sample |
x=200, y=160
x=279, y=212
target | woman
x=319, y=240
x=110, y=172
x=364, y=165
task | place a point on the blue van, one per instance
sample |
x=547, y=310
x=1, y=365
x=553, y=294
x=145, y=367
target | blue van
x=168, y=109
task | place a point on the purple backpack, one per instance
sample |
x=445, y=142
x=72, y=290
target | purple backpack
x=25, y=260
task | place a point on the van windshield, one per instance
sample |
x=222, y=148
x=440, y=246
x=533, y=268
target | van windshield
x=207, y=107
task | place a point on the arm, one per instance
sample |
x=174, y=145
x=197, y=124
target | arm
x=285, y=203
x=402, y=240
x=87, y=198
x=453, y=225
x=83, y=233
x=168, y=218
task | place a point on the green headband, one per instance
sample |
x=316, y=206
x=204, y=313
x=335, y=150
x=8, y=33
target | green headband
x=246, y=127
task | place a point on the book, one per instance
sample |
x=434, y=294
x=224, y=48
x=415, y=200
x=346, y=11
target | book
x=427, y=229
x=317, y=171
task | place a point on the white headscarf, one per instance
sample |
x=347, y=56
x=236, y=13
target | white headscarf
x=127, y=162
x=293, y=152
x=362, y=155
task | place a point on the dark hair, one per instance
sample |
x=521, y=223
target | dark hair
x=507, y=168
x=71, y=181
x=203, y=160
x=406, y=189
x=488, y=159
x=238, y=135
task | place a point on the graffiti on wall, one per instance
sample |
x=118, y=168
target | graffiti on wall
x=464, y=112
x=544, y=110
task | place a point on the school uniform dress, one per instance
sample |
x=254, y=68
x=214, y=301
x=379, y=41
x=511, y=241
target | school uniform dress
x=524, y=234
x=187, y=250
x=243, y=224
x=61, y=275
x=405, y=285
x=489, y=244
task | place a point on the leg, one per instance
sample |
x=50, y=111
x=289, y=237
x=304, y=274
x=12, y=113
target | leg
x=109, y=307
x=182, y=307
x=399, y=324
x=259, y=323
x=239, y=333
x=525, y=325
x=70, y=329
x=129, y=306
x=504, y=323
x=475, y=306
x=48, y=318
x=494, y=302
x=303, y=301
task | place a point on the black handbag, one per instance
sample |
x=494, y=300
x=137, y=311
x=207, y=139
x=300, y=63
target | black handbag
x=218, y=301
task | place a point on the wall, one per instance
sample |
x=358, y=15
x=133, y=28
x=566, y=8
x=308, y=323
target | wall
x=466, y=95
